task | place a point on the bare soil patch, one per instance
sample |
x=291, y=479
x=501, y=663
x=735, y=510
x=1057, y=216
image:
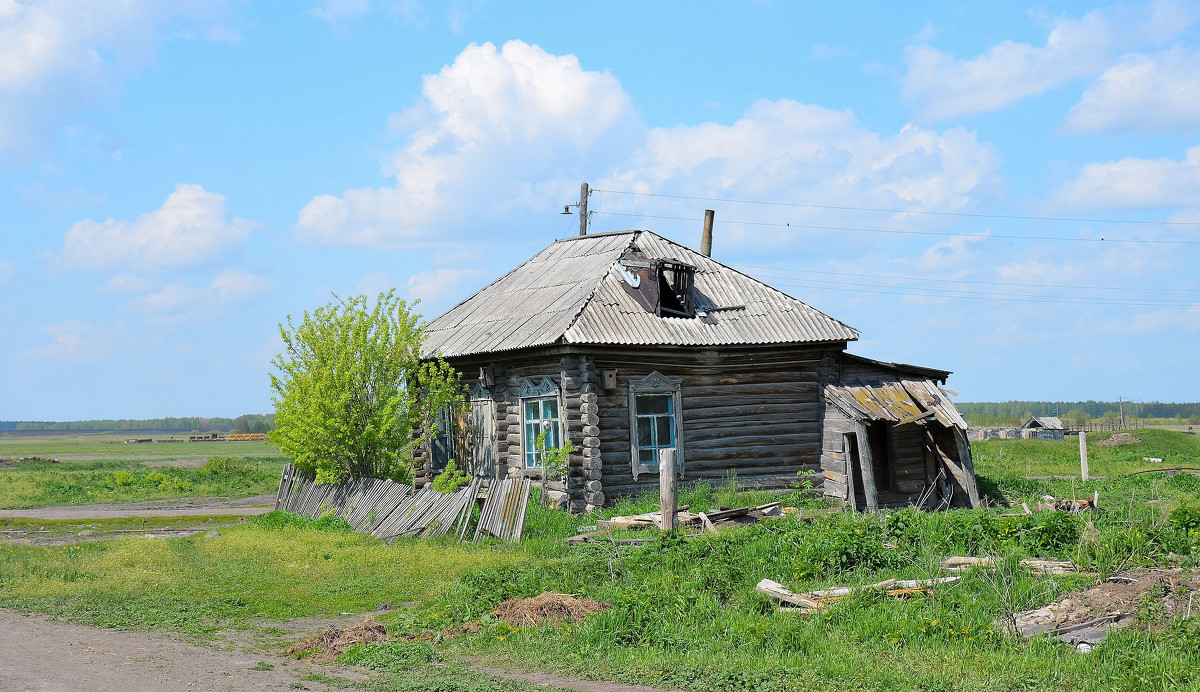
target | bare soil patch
x=1147, y=599
x=523, y=612
x=43, y=655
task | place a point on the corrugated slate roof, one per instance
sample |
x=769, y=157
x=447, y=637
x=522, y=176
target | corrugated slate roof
x=571, y=292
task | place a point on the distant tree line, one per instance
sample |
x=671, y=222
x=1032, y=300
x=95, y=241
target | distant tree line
x=249, y=423
x=1015, y=413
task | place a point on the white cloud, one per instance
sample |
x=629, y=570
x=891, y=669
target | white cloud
x=227, y=288
x=334, y=11
x=942, y=86
x=784, y=150
x=372, y=285
x=1174, y=320
x=126, y=283
x=436, y=286
x=191, y=228
x=76, y=342
x=949, y=258
x=7, y=269
x=490, y=120
x=512, y=131
x=1135, y=183
x=58, y=56
x=1143, y=93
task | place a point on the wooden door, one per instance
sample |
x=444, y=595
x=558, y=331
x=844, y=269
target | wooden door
x=483, y=437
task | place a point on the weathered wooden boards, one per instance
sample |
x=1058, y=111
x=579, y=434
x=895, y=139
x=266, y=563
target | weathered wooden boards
x=383, y=508
x=503, y=514
x=1036, y=566
x=361, y=502
x=813, y=601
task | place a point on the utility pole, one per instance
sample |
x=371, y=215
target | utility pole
x=1121, y=403
x=583, y=218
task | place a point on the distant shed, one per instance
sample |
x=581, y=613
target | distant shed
x=628, y=343
x=1044, y=428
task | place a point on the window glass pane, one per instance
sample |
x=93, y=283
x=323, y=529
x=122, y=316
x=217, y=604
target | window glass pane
x=549, y=408
x=644, y=434
x=531, y=409
x=646, y=456
x=665, y=430
x=552, y=436
x=653, y=403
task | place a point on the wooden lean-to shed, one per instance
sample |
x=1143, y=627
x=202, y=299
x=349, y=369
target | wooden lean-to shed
x=628, y=343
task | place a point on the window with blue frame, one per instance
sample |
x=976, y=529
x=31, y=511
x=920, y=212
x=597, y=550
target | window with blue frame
x=541, y=415
x=655, y=423
x=655, y=414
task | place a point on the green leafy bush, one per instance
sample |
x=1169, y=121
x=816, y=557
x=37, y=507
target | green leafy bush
x=1186, y=517
x=228, y=465
x=451, y=479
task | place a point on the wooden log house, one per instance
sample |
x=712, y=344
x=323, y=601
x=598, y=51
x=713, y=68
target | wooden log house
x=628, y=343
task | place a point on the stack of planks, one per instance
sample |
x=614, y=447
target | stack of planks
x=503, y=514
x=380, y=507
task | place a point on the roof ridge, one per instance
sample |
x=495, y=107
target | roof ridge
x=595, y=289
x=757, y=281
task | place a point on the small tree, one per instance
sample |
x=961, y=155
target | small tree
x=352, y=396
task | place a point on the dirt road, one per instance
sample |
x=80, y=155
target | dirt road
x=191, y=507
x=38, y=655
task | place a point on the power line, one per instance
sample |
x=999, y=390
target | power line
x=1056, y=300
x=980, y=236
x=1108, y=300
x=899, y=211
x=900, y=277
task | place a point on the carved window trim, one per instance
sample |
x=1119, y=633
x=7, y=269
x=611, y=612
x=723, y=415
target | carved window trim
x=655, y=384
x=546, y=388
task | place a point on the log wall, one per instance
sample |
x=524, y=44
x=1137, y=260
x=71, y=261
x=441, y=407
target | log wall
x=752, y=412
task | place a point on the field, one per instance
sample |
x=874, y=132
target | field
x=685, y=613
x=96, y=468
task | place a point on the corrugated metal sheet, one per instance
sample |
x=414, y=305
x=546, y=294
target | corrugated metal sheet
x=894, y=401
x=571, y=292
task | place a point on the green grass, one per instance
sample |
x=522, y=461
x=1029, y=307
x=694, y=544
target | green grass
x=685, y=613
x=101, y=469
x=273, y=567
x=998, y=458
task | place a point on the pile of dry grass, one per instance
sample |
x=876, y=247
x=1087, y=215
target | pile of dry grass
x=332, y=642
x=522, y=612
x=1121, y=438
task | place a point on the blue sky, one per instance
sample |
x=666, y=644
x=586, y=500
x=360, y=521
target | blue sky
x=1008, y=191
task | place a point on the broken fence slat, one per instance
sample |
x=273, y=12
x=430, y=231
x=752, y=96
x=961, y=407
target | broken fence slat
x=780, y=593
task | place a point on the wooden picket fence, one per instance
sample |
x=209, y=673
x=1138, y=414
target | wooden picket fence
x=387, y=510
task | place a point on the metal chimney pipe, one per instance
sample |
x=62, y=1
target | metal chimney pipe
x=706, y=239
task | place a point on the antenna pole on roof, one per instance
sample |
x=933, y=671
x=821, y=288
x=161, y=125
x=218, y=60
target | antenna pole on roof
x=583, y=214
x=706, y=237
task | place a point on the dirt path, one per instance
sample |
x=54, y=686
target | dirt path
x=37, y=654
x=198, y=506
